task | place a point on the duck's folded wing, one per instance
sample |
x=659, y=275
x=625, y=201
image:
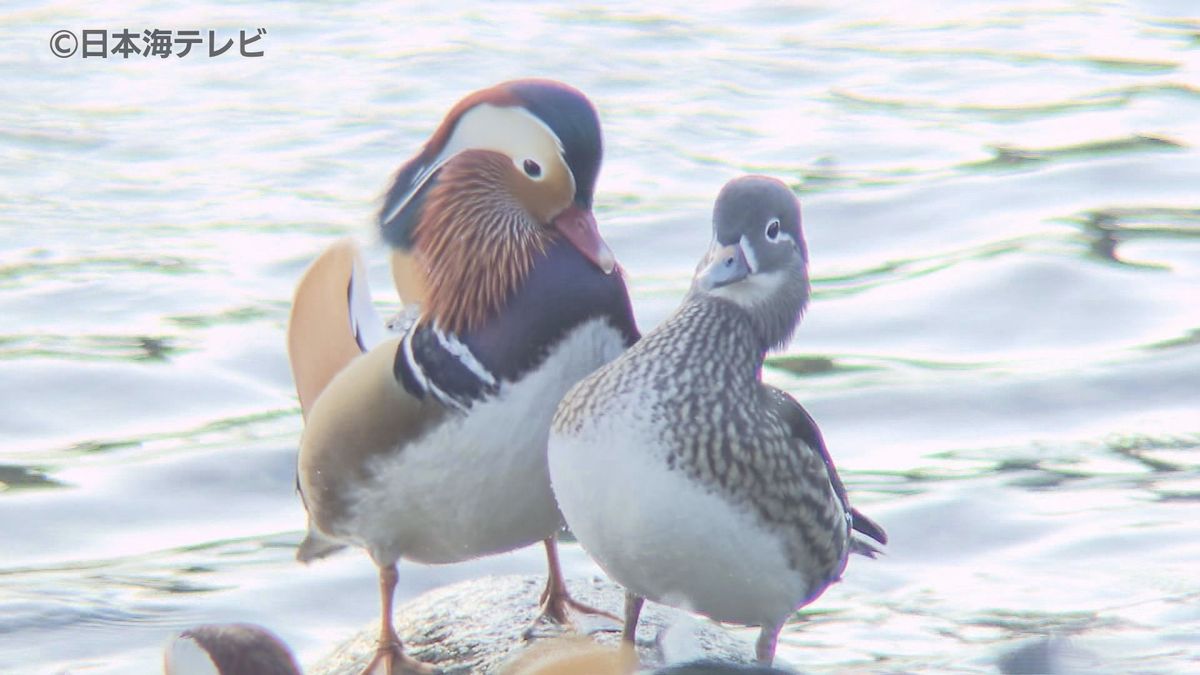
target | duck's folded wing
x=332, y=320
x=364, y=415
x=331, y=323
x=805, y=429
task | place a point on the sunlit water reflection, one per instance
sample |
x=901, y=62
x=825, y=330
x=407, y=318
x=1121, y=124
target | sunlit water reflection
x=1002, y=212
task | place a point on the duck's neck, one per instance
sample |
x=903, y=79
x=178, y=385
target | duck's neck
x=772, y=302
x=708, y=333
x=561, y=292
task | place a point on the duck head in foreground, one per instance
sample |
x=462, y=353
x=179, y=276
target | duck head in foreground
x=519, y=151
x=228, y=649
x=690, y=481
x=431, y=445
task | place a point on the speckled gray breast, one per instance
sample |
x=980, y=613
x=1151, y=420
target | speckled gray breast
x=696, y=378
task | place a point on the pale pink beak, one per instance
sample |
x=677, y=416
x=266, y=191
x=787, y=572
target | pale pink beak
x=578, y=225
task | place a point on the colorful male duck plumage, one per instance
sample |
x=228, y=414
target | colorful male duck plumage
x=547, y=131
x=689, y=480
x=430, y=445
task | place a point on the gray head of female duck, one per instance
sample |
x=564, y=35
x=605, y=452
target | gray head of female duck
x=758, y=260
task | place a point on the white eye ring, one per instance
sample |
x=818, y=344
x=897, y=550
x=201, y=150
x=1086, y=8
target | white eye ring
x=773, y=230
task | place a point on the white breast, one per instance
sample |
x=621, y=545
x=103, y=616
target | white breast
x=661, y=534
x=478, y=484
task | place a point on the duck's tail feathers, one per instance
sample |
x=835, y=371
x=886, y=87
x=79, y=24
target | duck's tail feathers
x=316, y=546
x=332, y=320
x=872, y=529
x=864, y=548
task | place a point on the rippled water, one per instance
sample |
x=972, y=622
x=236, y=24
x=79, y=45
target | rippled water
x=1002, y=202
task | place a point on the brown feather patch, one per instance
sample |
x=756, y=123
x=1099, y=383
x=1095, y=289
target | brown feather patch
x=408, y=273
x=480, y=240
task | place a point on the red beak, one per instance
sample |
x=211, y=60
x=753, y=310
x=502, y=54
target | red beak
x=578, y=225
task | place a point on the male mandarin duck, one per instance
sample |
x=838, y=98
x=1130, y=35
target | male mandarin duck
x=431, y=445
x=551, y=135
x=685, y=477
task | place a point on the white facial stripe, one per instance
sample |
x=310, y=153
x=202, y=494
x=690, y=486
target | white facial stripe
x=416, y=186
x=752, y=290
x=748, y=251
x=513, y=131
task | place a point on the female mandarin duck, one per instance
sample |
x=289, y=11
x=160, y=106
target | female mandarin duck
x=432, y=445
x=689, y=480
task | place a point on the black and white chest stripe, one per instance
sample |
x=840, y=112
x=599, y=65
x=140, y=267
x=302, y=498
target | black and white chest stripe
x=562, y=292
x=433, y=363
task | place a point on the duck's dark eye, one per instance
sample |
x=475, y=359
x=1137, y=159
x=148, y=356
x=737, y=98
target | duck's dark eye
x=532, y=168
x=773, y=229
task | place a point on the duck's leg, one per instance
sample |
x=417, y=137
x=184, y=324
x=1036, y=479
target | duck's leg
x=556, y=599
x=633, y=609
x=390, y=658
x=764, y=649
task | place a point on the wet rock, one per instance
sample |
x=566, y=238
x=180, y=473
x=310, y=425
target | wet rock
x=476, y=627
